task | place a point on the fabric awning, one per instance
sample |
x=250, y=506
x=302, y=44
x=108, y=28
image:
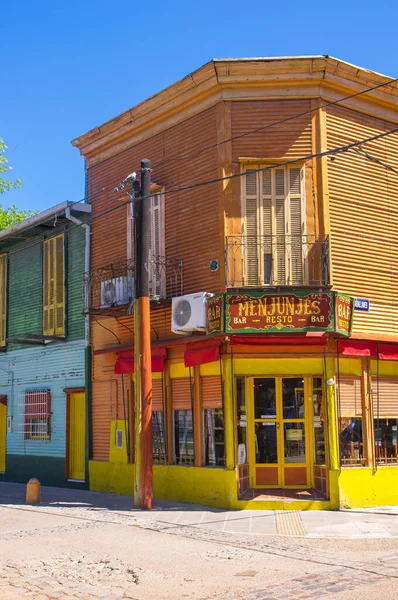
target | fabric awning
x=279, y=340
x=357, y=348
x=388, y=351
x=125, y=361
x=200, y=353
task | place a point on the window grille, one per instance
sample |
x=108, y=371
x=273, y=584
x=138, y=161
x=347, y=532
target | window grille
x=35, y=414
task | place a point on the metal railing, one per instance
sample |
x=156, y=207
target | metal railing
x=277, y=260
x=113, y=286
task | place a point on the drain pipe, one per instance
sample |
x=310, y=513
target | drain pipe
x=86, y=270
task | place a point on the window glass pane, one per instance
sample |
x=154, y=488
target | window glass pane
x=318, y=419
x=264, y=398
x=265, y=439
x=386, y=442
x=158, y=437
x=293, y=398
x=183, y=437
x=294, y=443
x=351, y=441
x=241, y=419
x=214, y=437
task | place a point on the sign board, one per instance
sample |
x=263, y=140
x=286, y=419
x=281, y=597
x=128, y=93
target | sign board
x=344, y=311
x=362, y=304
x=301, y=311
x=215, y=314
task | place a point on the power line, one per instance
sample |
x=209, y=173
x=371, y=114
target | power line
x=269, y=125
x=333, y=151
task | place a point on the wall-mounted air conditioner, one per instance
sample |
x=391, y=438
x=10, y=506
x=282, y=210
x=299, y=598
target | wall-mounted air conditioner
x=117, y=291
x=188, y=313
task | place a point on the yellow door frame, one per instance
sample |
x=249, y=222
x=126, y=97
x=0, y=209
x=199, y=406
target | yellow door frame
x=75, y=454
x=279, y=425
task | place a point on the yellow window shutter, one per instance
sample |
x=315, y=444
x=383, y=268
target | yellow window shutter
x=59, y=308
x=251, y=229
x=53, y=286
x=3, y=299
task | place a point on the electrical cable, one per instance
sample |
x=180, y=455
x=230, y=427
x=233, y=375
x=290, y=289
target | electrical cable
x=269, y=125
x=332, y=151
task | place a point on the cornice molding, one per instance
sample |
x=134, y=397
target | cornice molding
x=237, y=80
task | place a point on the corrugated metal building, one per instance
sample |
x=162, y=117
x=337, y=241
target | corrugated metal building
x=43, y=347
x=259, y=201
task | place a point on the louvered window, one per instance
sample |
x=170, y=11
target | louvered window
x=3, y=299
x=156, y=233
x=349, y=396
x=158, y=437
x=273, y=226
x=385, y=413
x=54, y=286
x=213, y=421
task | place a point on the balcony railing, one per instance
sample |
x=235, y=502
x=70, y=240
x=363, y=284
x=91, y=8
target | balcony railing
x=277, y=260
x=112, y=287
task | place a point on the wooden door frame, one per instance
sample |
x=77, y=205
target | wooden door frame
x=308, y=425
x=68, y=392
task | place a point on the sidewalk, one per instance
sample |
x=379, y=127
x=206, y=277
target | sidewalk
x=376, y=523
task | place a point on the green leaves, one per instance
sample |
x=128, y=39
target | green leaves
x=11, y=216
x=6, y=184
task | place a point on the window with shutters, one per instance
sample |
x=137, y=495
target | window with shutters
x=183, y=423
x=385, y=419
x=156, y=259
x=3, y=299
x=273, y=215
x=37, y=415
x=158, y=433
x=54, y=286
x=349, y=397
x=213, y=421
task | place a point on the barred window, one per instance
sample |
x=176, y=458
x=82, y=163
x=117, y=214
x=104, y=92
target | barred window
x=37, y=415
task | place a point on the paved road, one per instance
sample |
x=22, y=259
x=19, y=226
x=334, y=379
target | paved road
x=83, y=545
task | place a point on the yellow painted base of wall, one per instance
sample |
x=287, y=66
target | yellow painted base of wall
x=115, y=478
x=362, y=487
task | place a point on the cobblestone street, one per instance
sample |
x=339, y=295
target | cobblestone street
x=80, y=545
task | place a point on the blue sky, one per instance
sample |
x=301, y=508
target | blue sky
x=67, y=66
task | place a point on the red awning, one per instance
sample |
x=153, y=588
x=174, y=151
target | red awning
x=313, y=339
x=200, y=353
x=388, y=351
x=125, y=361
x=357, y=348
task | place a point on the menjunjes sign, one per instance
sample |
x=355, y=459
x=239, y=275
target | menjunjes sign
x=267, y=312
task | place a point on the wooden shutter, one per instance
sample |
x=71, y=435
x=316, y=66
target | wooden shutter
x=181, y=394
x=54, y=286
x=157, y=274
x=251, y=229
x=350, y=390
x=212, y=392
x=280, y=225
x=266, y=244
x=3, y=299
x=157, y=394
x=385, y=397
x=296, y=247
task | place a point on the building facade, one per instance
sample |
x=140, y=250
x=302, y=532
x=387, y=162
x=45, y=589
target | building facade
x=43, y=348
x=273, y=213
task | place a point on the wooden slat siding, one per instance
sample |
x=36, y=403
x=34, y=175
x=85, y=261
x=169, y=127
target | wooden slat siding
x=291, y=139
x=101, y=418
x=3, y=299
x=181, y=394
x=385, y=397
x=211, y=392
x=188, y=214
x=364, y=219
x=350, y=396
x=157, y=394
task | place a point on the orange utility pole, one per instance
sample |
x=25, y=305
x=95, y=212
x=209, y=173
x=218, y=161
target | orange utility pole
x=144, y=336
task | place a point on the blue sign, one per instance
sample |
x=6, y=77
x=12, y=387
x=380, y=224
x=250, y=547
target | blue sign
x=362, y=304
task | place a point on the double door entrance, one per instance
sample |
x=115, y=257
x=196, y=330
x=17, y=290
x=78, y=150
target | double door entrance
x=279, y=428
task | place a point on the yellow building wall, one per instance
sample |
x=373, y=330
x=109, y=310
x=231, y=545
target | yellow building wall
x=364, y=487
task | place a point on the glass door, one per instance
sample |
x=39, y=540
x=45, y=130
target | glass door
x=278, y=452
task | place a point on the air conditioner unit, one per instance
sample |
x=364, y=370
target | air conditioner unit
x=188, y=313
x=117, y=291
